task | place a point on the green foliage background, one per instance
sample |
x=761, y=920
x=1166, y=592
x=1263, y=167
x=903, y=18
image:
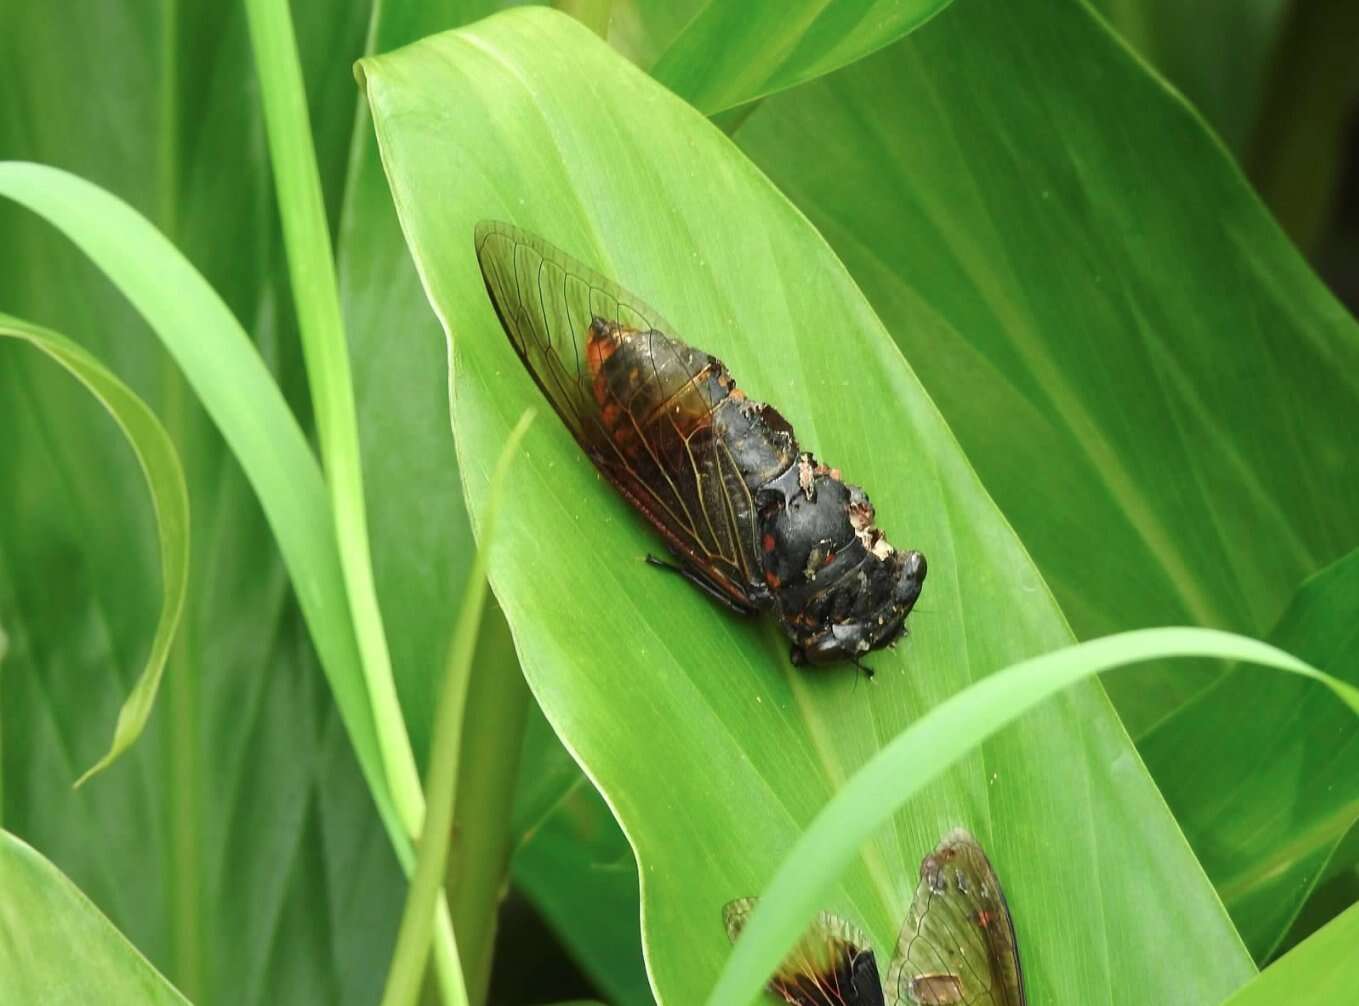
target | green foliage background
x=1140, y=369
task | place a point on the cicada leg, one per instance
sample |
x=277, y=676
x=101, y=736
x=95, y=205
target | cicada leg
x=704, y=584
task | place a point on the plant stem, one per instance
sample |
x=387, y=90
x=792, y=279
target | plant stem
x=478, y=866
x=412, y=941
x=316, y=295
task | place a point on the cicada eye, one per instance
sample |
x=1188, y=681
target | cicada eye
x=910, y=579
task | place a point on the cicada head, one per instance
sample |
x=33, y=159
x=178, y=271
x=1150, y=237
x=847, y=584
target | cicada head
x=875, y=625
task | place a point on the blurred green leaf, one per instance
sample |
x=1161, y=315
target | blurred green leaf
x=638, y=671
x=1051, y=238
x=1277, y=80
x=1300, y=145
x=1336, y=891
x=238, y=845
x=574, y=863
x=1323, y=970
x=729, y=54
x=236, y=388
x=1216, y=52
x=1271, y=797
x=170, y=499
x=57, y=949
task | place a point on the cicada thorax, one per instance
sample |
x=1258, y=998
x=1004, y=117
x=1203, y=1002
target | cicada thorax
x=837, y=580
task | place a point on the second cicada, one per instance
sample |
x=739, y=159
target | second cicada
x=753, y=520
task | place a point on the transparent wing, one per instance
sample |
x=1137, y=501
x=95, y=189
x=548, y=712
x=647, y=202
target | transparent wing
x=832, y=965
x=958, y=945
x=546, y=301
x=639, y=401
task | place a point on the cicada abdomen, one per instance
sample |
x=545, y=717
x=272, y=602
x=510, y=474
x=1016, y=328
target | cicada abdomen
x=751, y=519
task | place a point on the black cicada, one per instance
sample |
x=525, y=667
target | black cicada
x=957, y=947
x=754, y=521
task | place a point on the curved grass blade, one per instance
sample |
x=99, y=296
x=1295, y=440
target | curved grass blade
x=239, y=394
x=926, y=749
x=1271, y=798
x=169, y=497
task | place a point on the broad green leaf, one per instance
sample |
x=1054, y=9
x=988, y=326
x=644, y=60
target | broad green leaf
x=1054, y=239
x=729, y=54
x=57, y=949
x=170, y=500
x=1271, y=798
x=711, y=750
x=238, y=846
x=419, y=565
x=929, y=746
x=1322, y=971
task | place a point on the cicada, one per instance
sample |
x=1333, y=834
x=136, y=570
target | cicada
x=753, y=520
x=957, y=947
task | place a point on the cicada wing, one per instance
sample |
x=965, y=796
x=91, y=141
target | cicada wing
x=546, y=301
x=958, y=945
x=832, y=965
x=637, y=400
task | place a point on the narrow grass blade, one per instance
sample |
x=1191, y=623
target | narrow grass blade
x=317, y=299
x=926, y=749
x=412, y=943
x=169, y=497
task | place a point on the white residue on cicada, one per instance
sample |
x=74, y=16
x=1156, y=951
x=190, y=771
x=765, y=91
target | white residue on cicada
x=861, y=520
x=806, y=476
